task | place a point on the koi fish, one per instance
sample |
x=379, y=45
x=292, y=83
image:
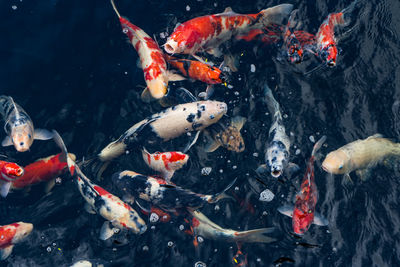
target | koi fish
x=12, y=234
x=9, y=173
x=294, y=49
x=87, y=263
x=278, y=151
x=361, y=156
x=19, y=126
x=165, y=163
x=271, y=34
x=100, y=201
x=326, y=42
x=303, y=214
x=203, y=226
x=226, y=135
x=156, y=191
x=43, y=170
x=206, y=33
x=151, y=59
x=166, y=125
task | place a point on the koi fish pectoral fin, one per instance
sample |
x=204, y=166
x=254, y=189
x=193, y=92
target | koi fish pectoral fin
x=238, y=122
x=292, y=169
x=143, y=205
x=193, y=139
x=364, y=174
x=89, y=209
x=211, y=145
x=286, y=210
x=5, y=252
x=262, y=169
x=7, y=141
x=347, y=179
x=4, y=188
x=106, y=231
x=43, y=134
x=320, y=220
x=173, y=77
x=146, y=96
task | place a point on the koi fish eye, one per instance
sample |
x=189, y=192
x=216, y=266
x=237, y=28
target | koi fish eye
x=21, y=144
x=309, y=211
x=29, y=136
x=125, y=30
x=340, y=166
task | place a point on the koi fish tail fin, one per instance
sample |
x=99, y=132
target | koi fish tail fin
x=215, y=198
x=318, y=145
x=255, y=236
x=275, y=15
x=293, y=22
x=273, y=105
x=344, y=17
x=65, y=155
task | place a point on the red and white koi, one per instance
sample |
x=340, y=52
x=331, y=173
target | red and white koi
x=9, y=172
x=206, y=33
x=12, y=234
x=100, y=201
x=151, y=59
x=42, y=170
x=19, y=126
x=166, y=163
x=303, y=214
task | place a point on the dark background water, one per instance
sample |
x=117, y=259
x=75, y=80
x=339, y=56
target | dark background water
x=68, y=64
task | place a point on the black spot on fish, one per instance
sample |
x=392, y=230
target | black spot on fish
x=198, y=114
x=186, y=129
x=203, y=108
x=196, y=125
x=186, y=66
x=212, y=117
x=184, y=109
x=190, y=118
x=273, y=159
x=173, y=108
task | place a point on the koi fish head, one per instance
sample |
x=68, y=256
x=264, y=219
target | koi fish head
x=174, y=160
x=136, y=223
x=182, y=40
x=303, y=216
x=277, y=158
x=216, y=75
x=158, y=86
x=231, y=139
x=22, y=231
x=295, y=53
x=329, y=55
x=336, y=162
x=11, y=171
x=22, y=137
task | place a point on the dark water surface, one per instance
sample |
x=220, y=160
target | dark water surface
x=69, y=65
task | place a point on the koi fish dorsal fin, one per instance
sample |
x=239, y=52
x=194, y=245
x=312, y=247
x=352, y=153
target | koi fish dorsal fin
x=377, y=135
x=7, y=141
x=228, y=10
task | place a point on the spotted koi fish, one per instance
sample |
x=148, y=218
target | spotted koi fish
x=166, y=125
x=160, y=194
x=166, y=163
x=43, y=170
x=326, y=41
x=19, y=126
x=100, y=201
x=303, y=213
x=206, y=33
x=10, y=172
x=151, y=59
x=12, y=234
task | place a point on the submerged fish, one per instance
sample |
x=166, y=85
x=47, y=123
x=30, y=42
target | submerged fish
x=278, y=151
x=43, y=170
x=100, y=201
x=156, y=191
x=12, y=234
x=10, y=172
x=360, y=156
x=303, y=213
x=166, y=125
x=226, y=135
x=166, y=163
x=151, y=59
x=206, y=33
x=19, y=126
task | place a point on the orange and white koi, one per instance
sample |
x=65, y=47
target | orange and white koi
x=151, y=59
x=166, y=163
x=9, y=172
x=206, y=33
x=100, y=201
x=12, y=234
x=19, y=126
x=42, y=170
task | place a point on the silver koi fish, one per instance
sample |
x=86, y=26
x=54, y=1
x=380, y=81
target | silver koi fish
x=19, y=126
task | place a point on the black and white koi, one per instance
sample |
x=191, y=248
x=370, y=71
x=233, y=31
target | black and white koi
x=19, y=126
x=156, y=191
x=278, y=151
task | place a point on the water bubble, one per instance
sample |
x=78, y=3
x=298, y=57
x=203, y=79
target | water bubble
x=266, y=195
x=265, y=213
x=48, y=249
x=236, y=93
x=255, y=154
x=181, y=227
x=334, y=249
x=252, y=68
x=285, y=116
x=216, y=207
x=54, y=244
x=236, y=188
x=215, y=250
x=230, y=86
x=127, y=152
x=200, y=239
x=58, y=180
x=312, y=139
x=14, y=7
x=145, y=248
x=114, y=249
x=206, y=171
x=221, y=171
x=282, y=195
x=170, y=243
x=297, y=151
x=200, y=264
x=187, y=8
x=234, y=167
x=153, y=227
x=154, y=217
x=258, y=260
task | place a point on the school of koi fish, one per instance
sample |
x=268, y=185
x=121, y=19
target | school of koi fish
x=188, y=54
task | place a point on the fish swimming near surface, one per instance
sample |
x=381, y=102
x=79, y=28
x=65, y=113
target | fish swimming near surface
x=166, y=163
x=9, y=173
x=303, y=213
x=19, y=126
x=361, y=156
x=226, y=135
x=43, y=170
x=278, y=150
x=157, y=192
x=166, y=125
x=100, y=201
x=151, y=59
x=206, y=33
x=12, y=234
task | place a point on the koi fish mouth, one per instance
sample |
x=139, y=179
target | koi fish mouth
x=276, y=173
